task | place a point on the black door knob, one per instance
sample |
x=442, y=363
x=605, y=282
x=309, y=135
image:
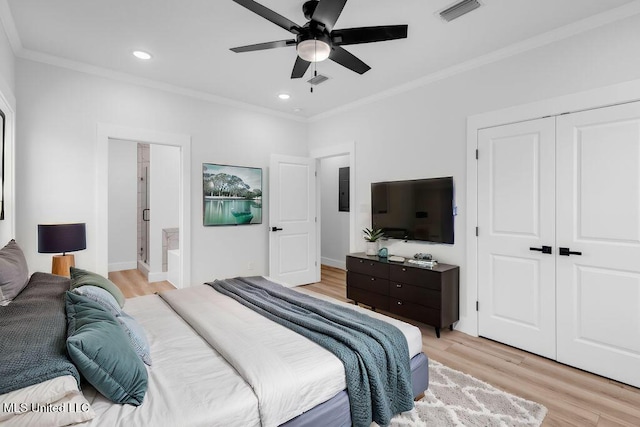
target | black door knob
x=276, y=229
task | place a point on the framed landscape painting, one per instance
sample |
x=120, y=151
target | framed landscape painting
x=232, y=195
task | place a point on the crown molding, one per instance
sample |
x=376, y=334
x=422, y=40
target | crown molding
x=106, y=73
x=6, y=18
x=570, y=30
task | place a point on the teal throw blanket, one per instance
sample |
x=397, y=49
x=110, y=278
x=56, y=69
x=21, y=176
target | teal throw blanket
x=374, y=353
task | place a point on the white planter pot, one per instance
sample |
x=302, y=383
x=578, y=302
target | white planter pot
x=372, y=248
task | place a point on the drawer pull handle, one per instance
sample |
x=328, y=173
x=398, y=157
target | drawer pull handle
x=371, y=264
x=361, y=261
x=399, y=302
x=404, y=269
x=373, y=279
x=398, y=286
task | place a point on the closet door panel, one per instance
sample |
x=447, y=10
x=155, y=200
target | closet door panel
x=516, y=212
x=598, y=216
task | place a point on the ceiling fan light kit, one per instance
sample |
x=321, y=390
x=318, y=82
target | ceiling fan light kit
x=317, y=40
x=314, y=50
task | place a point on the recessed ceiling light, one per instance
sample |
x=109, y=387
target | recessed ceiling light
x=140, y=54
x=297, y=110
x=284, y=96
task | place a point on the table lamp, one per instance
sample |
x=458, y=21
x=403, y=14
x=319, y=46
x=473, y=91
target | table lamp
x=56, y=238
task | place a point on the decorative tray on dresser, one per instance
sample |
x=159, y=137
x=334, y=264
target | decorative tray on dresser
x=426, y=294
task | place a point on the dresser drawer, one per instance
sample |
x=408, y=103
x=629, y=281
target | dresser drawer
x=415, y=276
x=369, y=267
x=371, y=299
x=368, y=283
x=416, y=294
x=417, y=312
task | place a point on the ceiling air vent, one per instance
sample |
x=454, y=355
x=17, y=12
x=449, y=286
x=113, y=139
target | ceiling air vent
x=459, y=9
x=318, y=79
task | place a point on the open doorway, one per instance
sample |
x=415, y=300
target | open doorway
x=166, y=146
x=144, y=209
x=333, y=174
x=336, y=232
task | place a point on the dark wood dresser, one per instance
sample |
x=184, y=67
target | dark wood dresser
x=428, y=295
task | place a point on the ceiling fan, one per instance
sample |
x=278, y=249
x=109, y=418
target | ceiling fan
x=317, y=40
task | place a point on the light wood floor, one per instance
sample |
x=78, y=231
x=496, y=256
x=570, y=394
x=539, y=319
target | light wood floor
x=132, y=283
x=573, y=397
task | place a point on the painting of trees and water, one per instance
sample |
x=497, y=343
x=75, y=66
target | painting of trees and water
x=232, y=195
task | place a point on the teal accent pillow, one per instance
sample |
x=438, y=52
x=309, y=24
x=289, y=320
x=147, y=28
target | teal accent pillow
x=136, y=336
x=102, y=297
x=101, y=351
x=81, y=277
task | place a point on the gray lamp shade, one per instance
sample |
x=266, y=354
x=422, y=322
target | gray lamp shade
x=56, y=238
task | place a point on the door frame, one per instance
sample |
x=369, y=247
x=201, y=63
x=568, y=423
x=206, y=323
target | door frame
x=348, y=149
x=587, y=100
x=105, y=132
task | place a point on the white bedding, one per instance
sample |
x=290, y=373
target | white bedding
x=222, y=364
x=190, y=384
x=289, y=373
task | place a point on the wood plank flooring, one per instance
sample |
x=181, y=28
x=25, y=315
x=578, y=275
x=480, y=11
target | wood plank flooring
x=132, y=283
x=573, y=397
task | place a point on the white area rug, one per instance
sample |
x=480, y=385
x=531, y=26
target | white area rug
x=457, y=399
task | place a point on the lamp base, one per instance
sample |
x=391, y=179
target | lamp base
x=61, y=264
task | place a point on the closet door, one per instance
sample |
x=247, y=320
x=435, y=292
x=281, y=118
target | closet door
x=598, y=221
x=516, y=219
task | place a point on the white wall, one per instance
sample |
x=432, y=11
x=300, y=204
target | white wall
x=422, y=133
x=7, y=105
x=123, y=205
x=7, y=64
x=164, y=194
x=334, y=224
x=56, y=159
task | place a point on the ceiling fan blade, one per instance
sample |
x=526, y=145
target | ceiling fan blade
x=368, y=34
x=328, y=11
x=264, y=46
x=348, y=60
x=270, y=15
x=299, y=68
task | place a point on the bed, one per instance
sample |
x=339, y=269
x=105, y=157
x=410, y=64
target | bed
x=216, y=362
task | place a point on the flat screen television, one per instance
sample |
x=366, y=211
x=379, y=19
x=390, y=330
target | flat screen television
x=420, y=209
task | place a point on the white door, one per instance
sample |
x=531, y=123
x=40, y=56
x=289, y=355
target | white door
x=598, y=290
x=292, y=219
x=516, y=220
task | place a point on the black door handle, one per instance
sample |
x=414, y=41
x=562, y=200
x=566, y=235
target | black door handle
x=567, y=252
x=544, y=249
x=145, y=214
x=276, y=229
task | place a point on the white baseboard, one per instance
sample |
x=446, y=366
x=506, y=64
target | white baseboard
x=157, y=276
x=334, y=263
x=119, y=266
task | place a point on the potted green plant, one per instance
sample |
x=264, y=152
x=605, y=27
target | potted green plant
x=372, y=235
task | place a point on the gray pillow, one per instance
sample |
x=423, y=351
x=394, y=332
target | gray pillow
x=81, y=277
x=136, y=335
x=14, y=273
x=101, y=296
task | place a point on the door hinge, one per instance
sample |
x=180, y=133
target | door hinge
x=315, y=174
x=476, y=154
x=316, y=219
x=477, y=231
x=477, y=306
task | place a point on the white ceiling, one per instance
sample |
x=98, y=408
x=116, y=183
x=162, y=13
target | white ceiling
x=190, y=41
